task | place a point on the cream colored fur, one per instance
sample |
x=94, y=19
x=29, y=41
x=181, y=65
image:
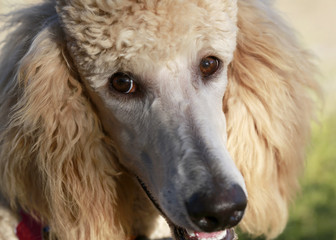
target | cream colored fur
x=57, y=163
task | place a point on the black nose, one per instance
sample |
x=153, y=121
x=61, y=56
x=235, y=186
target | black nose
x=218, y=210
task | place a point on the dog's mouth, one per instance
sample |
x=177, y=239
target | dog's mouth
x=180, y=233
x=183, y=234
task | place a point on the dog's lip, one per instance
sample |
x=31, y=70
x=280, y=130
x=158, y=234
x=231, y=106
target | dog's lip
x=181, y=233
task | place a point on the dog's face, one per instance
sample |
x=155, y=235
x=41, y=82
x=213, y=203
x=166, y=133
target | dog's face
x=157, y=72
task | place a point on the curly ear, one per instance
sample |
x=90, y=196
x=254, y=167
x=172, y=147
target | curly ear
x=55, y=160
x=269, y=110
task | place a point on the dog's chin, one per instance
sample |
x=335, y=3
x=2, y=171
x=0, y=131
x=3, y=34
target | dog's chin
x=180, y=233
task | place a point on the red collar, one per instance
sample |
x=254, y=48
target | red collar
x=28, y=228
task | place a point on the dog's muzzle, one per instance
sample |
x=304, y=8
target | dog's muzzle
x=214, y=214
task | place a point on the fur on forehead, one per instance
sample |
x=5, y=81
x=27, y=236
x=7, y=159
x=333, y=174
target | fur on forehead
x=104, y=32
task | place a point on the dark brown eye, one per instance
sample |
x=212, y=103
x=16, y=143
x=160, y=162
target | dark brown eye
x=123, y=83
x=209, y=65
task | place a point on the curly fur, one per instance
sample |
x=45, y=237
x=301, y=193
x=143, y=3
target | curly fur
x=57, y=163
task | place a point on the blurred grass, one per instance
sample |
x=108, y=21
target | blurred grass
x=315, y=209
x=312, y=217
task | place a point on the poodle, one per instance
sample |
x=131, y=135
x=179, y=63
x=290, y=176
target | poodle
x=122, y=119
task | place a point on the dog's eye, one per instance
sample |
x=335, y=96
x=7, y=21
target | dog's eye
x=209, y=65
x=123, y=83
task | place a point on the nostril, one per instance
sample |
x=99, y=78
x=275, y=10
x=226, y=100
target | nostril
x=201, y=213
x=235, y=218
x=207, y=223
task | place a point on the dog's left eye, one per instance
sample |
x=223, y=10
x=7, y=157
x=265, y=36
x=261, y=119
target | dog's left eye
x=209, y=65
x=123, y=83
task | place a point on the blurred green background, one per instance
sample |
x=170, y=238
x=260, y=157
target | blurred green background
x=313, y=214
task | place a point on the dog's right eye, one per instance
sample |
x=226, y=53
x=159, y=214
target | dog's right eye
x=122, y=83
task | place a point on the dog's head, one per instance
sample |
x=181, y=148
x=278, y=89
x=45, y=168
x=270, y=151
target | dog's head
x=157, y=72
